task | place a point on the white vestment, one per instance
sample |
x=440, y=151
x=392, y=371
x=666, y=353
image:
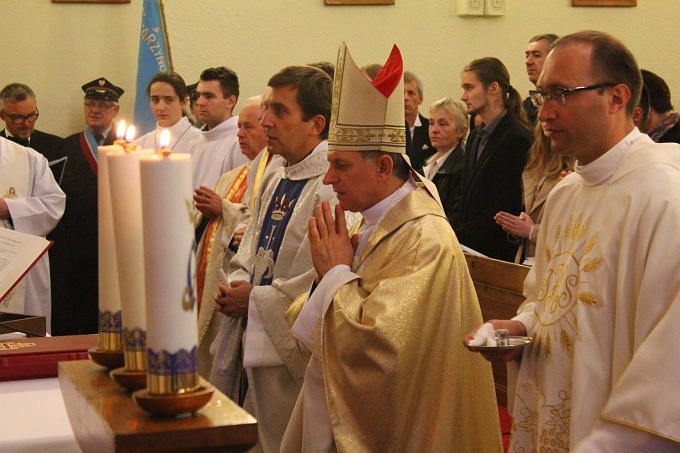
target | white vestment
x=216, y=152
x=275, y=367
x=182, y=134
x=603, y=304
x=35, y=210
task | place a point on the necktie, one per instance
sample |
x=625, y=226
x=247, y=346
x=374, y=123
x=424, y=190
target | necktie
x=480, y=143
x=99, y=138
x=476, y=143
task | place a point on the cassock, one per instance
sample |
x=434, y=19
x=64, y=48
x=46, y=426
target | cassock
x=35, y=203
x=182, y=133
x=215, y=152
x=603, y=304
x=388, y=370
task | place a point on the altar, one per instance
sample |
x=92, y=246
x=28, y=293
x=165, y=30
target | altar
x=83, y=409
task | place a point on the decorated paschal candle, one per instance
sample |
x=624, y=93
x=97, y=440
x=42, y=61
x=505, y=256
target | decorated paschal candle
x=126, y=200
x=172, y=334
x=110, y=320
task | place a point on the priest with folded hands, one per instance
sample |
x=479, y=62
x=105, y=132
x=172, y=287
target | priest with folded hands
x=383, y=323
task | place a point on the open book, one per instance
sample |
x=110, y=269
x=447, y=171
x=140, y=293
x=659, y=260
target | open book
x=18, y=254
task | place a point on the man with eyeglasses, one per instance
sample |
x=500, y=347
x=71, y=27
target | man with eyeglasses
x=19, y=111
x=603, y=300
x=100, y=108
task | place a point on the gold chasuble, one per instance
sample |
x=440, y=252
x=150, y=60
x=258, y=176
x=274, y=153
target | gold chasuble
x=388, y=371
x=212, y=255
x=396, y=375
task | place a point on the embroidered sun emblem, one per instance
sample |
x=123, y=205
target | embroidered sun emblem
x=570, y=260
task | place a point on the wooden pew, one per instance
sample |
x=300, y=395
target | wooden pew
x=499, y=290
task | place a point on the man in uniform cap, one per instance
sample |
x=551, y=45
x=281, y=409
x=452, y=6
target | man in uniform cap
x=385, y=320
x=80, y=185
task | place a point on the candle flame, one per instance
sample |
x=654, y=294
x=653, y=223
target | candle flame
x=165, y=138
x=120, y=132
x=130, y=134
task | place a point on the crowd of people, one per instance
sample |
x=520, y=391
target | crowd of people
x=334, y=299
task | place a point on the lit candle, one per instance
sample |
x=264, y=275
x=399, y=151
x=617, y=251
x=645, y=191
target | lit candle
x=164, y=142
x=126, y=200
x=120, y=134
x=172, y=334
x=110, y=321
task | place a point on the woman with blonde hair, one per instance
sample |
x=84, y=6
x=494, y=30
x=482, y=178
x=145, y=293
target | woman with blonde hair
x=448, y=126
x=543, y=171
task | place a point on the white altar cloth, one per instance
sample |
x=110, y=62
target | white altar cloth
x=33, y=418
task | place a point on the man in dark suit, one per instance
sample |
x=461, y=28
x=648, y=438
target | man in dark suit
x=494, y=159
x=19, y=111
x=534, y=56
x=80, y=184
x=418, y=146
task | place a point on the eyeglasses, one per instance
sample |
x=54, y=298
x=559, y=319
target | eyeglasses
x=102, y=105
x=559, y=95
x=19, y=119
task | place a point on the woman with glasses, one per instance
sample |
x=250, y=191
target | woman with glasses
x=168, y=97
x=543, y=171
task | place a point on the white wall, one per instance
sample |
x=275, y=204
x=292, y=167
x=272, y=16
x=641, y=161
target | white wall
x=55, y=48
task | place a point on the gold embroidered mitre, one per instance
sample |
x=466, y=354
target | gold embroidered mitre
x=368, y=115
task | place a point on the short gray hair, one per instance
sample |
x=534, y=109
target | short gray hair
x=551, y=38
x=16, y=92
x=455, y=109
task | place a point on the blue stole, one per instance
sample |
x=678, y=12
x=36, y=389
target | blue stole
x=94, y=146
x=279, y=212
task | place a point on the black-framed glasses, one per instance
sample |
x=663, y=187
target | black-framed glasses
x=19, y=119
x=559, y=95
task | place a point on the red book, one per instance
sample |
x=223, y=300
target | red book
x=31, y=358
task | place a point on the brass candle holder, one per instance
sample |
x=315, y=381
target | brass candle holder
x=109, y=354
x=133, y=375
x=173, y=384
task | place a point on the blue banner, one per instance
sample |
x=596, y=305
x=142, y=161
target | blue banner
x=154, y=56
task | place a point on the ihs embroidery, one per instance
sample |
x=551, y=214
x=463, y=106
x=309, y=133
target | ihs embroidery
x=563, y=287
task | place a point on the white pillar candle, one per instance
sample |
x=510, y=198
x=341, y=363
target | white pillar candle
x=172, y=334
x=126, y=201
x=110, y=327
